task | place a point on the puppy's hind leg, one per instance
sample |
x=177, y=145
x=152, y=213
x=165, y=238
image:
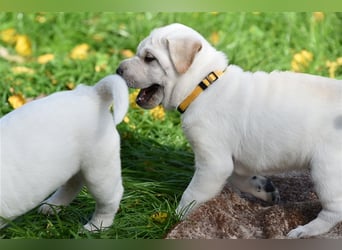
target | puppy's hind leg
x=63, y=196
x=259, y=186
x=327, y=175
x=104, y=183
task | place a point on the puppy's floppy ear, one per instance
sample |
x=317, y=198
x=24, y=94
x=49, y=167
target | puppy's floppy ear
x=182, y=51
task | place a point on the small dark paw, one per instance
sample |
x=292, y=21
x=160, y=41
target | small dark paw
x=273, y=191
x=275, y=196
x=265, y=189
x=269, y=187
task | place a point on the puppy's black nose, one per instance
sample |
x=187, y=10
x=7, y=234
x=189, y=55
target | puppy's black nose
x=119, y=71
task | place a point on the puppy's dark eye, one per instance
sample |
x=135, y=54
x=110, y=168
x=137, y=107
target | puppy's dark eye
x=149, y=58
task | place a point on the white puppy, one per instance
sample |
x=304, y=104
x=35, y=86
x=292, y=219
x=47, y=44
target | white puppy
x=63, y=141
x=241, y=123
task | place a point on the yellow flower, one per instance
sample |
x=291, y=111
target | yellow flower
x=23, y=45
x=16, y=101
x=101, y=62
x=132, y=98
x=339, y=61
x=101, y=67
x=295, y=66
x=159, y=217
x=22, y=70
x=80, y=52
x=318, y=16
x=127, y=53
x=9, y=36
x=126, y=119
x=43, y=59
x=41, y=19
x=70, y=85
x=214, y=38
x=301, y=60
x=307, y=55
x=158, y=113
x=332, y=67
x=98, y=37
x=298, y=57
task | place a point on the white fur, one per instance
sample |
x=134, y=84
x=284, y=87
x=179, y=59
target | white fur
x=66, y=138
x=249, y=123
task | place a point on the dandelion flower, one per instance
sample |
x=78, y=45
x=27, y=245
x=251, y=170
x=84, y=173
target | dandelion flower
x=318, y=16
x=101, y=62
x=70, y=85
x=41, y=19
x=158, y=113
x=214, y=38
x=80, y=52
x=9, y=36
x=101, y=67
x=159, y=217
x=301, y=60
x=332, y=67
x=132, y=98
x=295, y=66
x=98, y=37
x=126, y=119
x=44, y=59
x=298, y=57
x=339, y=61
x=16, y=101
x=23, y=45
x=22, y=70
x=127, y=53
x=307, y=56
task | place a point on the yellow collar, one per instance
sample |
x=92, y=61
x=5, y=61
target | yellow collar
x=203, y=85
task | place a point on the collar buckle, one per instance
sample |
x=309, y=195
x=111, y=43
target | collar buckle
x=203, y=85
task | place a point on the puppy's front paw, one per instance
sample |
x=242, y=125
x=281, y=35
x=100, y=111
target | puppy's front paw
x=297, y=232
x=184, y=208
x=49, y=209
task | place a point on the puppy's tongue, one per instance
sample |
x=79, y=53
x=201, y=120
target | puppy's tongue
x=146, y=94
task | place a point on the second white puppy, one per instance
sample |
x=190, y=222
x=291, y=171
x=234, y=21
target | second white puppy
x=241, y=123
x=63, y=141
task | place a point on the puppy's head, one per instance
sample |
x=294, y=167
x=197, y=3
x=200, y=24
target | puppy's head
x=164, y=61
x=161, y=58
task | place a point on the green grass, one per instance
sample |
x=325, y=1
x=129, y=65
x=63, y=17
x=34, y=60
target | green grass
x=156, y=159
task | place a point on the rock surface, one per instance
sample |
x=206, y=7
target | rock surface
x=235, y=215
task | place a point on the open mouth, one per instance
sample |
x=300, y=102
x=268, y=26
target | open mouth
x=150, y=97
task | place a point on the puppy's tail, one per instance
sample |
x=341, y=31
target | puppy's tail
x=113, y=89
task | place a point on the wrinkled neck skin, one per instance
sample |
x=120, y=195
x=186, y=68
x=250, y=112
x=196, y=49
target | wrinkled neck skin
x=206, y=61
